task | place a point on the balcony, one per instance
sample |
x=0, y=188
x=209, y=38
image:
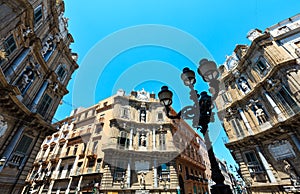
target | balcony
x=16, y=159
x=255, y=168
x=54, y=158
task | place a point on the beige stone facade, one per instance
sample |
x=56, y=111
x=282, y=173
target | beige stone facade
x=259, y=105
x=123, y=144
x=36, y=64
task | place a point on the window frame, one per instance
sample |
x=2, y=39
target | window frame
x=37, y=19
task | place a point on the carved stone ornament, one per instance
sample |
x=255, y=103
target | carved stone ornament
x=143, y=95
x=3, y=126
x=273, y=85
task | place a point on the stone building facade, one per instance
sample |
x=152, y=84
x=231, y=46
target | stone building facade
x=123, y=144
x=36, y=64
x=259, y=104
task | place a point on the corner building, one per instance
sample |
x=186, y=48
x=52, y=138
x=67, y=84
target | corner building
x=36, y=65
x=123, y=144
x=259, y=106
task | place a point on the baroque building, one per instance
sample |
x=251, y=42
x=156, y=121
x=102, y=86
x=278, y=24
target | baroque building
x=259, y=104
x=36, y=65
x=123, y=144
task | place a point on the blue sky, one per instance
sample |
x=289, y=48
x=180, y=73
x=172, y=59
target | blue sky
x=135, y=44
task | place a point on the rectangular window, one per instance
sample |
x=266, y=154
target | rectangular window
x=24, y=144
x=44, y=105
x=252, y=162
x=95, y=146
x=59, y=149
x=10, y=45
x=68, y=150
x=60, y=172
x=287, y=101
x=160, y=116
x=75, y=150
x=61, y=73
x=69, y=170
x=99, y=128
x=123, y=141
x=235, y=123
x=162, y=141
x=261, y=66
x=90, y=165
x=226, y=97
x=38, y=14
x=125, y=113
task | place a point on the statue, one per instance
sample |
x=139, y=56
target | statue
x=243, y=85
x=291, y=171
x=25, y=80
x=142, y=181
x=260, y=114
x=3, y=126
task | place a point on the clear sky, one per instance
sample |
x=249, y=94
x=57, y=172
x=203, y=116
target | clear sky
x=135, y=44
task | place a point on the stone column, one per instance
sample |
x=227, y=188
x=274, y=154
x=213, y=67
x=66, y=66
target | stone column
x=10, y=148
x=130, y=139
x=79, y=183
x=266, y=166
x=39, y=95
x=153, y=139
x=128, y=175
x=245, y=121
x=155, y=185
x=15, y=64
x=275, y=107
x=69, y=185
x=295, y=140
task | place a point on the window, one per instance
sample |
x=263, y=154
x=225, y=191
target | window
x=75, y=149
x=78, y=168
x=252, y=162
x=187, y=174
x=9, y=45
x=99, y=128
x=287, y=101
x=235, y=123
x=160, y=116
x=95, y=146
x=90, y=165
x=61, y=72
x=69, y=170
x=60, y=172
x=162, y=141
x=123, y=141
x=119, y=171
x=38, y=14
x=68, y=150
x=261, y=66
x=44, y=105
x=226, y=97
x=125, y=113
x=24, y=144
x=59, y=149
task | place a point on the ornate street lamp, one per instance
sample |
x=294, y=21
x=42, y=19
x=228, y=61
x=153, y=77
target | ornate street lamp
x=200, y=113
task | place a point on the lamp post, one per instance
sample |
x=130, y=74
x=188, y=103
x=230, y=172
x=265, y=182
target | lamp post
x=200, y=113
